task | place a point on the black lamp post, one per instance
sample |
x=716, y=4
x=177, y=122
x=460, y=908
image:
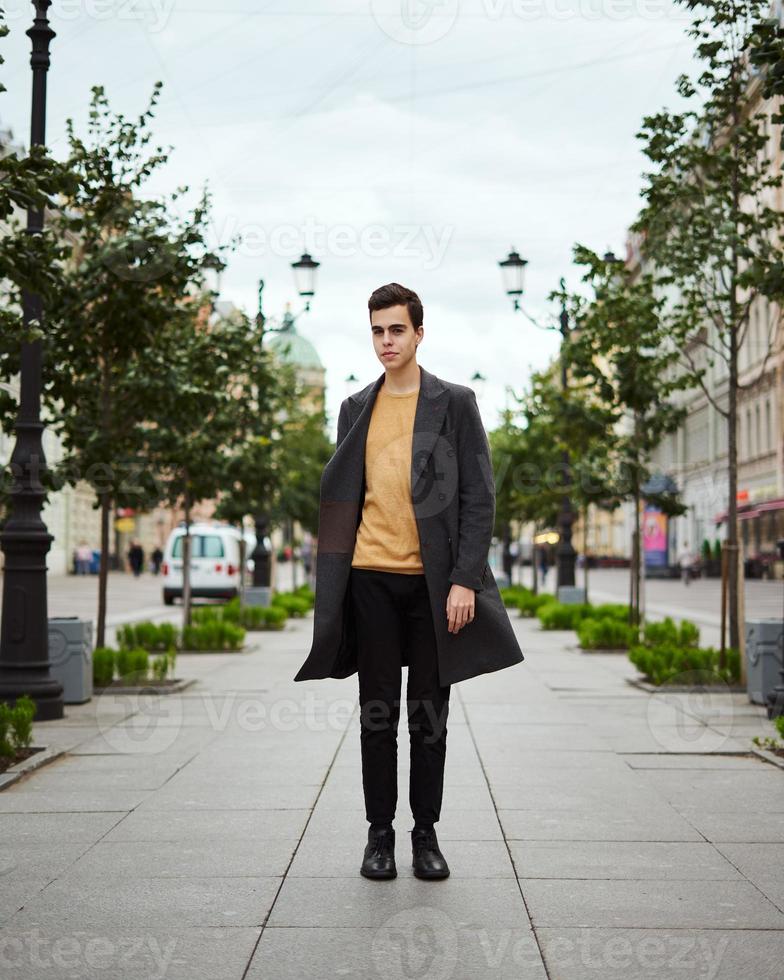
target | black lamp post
x=25, y=541
x=305, y=279
x=512, y=270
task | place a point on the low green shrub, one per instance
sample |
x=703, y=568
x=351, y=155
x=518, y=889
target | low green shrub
x=667, y=662
x=510, y=594
x=605, y=633
x=618, y=611
x=529, y=603
x=153, y=637
x=133, y=665
x=16, y=725
x=562, y=616
x=213, y=635
x=294, y=605
x=6, y=749
x=668, y=633
x=305, y=592
x=274, y=617
x=208, y=614
x=103, y=666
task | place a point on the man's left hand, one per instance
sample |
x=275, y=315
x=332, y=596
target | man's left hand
x=459, y=607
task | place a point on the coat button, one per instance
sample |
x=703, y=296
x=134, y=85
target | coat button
x=442, y=496
x=450, y=452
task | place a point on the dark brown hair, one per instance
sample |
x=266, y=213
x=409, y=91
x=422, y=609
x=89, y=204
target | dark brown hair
x=393, y=294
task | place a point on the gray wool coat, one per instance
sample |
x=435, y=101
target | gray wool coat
x=453, y=494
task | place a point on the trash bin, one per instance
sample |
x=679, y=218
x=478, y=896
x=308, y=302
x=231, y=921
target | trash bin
x=71, y=656
x=763, y=657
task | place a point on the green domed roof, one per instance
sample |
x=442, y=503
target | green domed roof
x=300, y=350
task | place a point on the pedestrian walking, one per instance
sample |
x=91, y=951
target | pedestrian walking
x=136, y=558
x=544, y=567
x=84, y=557
x=405, y=524
x=157, y=560
x=686, y=563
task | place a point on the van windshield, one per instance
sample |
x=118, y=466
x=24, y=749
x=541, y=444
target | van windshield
x=202, y=546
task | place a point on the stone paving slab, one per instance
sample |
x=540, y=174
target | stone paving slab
x=650, y=904
x=661, y=954
x=109, y=902
x=341, y=858
x=254, y=827
x=420, y=941
x=630, y=824
x=635, y=860
x=762, y=864
x=19, y=829
x=355, y=901
x=227, y=825
x=128, y=952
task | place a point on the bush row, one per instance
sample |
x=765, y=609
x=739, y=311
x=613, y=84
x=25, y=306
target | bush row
x=667, y=651
x=132, y=666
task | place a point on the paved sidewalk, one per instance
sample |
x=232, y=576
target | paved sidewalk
x=593, y=831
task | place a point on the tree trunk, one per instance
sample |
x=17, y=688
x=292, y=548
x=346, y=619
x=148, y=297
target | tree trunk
x=186, y=565
x=732, y=491
x=242, y=565
x=106, y=502
x=637, y=557
x=534, y=573
x=585, y=553
x=732, y=419
x=103, y=571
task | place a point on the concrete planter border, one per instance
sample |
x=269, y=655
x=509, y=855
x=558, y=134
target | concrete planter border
x=685, y=688
x=151, y=688
x=771, y=757
x=42, y=755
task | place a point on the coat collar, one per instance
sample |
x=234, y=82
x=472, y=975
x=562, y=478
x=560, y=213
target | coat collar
x=430, y=386
x=428, y=419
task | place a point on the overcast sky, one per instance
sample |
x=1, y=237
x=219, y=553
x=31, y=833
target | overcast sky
x=396, y=140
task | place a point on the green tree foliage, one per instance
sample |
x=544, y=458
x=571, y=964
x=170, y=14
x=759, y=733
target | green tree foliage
x=710, y=225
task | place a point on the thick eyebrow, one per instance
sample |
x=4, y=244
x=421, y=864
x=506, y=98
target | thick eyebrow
x=374, y=326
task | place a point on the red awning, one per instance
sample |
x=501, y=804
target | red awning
x=771, y=505
x=747, y=512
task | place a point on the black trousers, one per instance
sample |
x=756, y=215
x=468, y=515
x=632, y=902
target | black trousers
x=394, y=624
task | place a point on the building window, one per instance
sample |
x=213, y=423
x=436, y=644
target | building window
x=768, y=432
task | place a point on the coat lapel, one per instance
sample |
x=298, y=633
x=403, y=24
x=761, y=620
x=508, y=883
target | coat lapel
x=428, y=419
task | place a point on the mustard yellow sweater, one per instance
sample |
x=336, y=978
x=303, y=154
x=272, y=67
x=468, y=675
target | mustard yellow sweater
x=387, y=537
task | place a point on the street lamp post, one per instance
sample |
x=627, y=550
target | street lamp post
x=25, y=541
x=512, y=270
x=305, y=279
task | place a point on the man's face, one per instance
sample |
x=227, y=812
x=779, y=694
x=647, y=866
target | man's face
x=394, y=337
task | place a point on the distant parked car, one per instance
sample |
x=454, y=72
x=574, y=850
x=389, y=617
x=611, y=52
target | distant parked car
x=215, y=562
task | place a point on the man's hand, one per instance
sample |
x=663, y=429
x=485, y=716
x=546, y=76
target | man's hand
x=459, y=607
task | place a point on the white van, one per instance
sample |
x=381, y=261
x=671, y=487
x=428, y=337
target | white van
x=215, y=562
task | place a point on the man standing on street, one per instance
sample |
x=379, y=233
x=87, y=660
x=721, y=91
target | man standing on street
x=406, y=519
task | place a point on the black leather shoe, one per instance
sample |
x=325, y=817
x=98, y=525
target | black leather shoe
x=428, y=861
x=379, y=859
